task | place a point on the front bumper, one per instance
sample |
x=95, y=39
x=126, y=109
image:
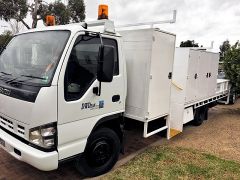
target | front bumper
x=45, y=161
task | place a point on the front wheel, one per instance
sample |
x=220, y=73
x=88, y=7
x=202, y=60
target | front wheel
x=101, y=153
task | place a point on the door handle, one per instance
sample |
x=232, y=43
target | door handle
x=115, y=98
x=196, y=76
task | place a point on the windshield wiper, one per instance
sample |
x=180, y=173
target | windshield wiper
x=33, y=77
x=5, y=74
x=29, y=76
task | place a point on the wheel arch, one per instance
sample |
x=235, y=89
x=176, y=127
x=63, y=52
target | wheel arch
x=114, y=122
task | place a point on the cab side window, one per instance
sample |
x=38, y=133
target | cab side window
x=82, y=66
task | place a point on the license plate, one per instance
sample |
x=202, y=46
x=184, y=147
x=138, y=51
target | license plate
x=2, y=142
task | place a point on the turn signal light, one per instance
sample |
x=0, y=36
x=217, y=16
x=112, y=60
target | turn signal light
x=50, y=20
x=103, y=11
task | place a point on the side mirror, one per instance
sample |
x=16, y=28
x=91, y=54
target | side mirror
x=105, y=63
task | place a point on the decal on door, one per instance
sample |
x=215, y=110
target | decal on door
x=93, y=106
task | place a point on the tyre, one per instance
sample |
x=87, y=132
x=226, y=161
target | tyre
x=232, y=99
x=199, y=116
x=101, y=153
x=206, y=112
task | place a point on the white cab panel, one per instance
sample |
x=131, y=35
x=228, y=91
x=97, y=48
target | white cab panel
x=76, y=119
x=32, y=114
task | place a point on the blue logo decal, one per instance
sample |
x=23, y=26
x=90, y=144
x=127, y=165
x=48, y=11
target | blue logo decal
x=101, y=104
x=93, y=106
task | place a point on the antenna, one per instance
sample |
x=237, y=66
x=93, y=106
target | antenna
x=171, y=21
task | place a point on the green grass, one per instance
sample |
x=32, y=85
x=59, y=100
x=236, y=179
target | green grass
x=176, y=163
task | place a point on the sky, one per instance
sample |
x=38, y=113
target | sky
x=200, y=20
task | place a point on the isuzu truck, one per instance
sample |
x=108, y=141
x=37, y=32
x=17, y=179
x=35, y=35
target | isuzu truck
x=65, y=92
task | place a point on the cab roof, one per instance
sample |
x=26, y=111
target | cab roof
x=100, y=26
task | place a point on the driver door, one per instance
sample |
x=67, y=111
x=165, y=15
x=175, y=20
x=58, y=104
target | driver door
x=76, y=101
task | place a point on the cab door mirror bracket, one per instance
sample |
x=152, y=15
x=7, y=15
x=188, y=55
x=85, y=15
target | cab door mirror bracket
x=105, y=67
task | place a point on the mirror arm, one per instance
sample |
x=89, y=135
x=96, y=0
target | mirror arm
x=100, y=88
x=100, y=83
x=101, y=41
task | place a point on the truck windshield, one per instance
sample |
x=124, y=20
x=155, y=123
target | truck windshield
x=33, y=57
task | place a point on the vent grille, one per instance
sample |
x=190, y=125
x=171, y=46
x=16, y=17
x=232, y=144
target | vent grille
x=21, y=130
x=6, y=123
x=9, y=125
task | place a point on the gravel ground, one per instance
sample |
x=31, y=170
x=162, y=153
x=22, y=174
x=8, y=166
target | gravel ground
x=219, y=135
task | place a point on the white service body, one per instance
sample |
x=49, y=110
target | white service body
x=149, y=55
x=194, y=84
x=195, y=71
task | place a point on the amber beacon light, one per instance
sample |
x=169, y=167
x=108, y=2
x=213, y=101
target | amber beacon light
x=50, y=20
x=103, y=11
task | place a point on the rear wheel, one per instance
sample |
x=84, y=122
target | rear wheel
x=232, y=99
x=101, y=153
x=200, y=115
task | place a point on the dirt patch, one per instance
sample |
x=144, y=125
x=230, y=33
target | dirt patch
x=219, y=135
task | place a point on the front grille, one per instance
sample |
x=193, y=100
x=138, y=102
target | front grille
x=6, y=123
x=9, y=125
x=21, y=130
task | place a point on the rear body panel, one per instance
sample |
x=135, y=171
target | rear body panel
x=192, y=85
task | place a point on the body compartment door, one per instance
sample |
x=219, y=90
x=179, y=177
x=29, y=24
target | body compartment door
x=192, y=76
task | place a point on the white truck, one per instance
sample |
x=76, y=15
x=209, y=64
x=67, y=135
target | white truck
x=65, y=90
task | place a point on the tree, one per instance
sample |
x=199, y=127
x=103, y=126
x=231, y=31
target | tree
x=231, y=63
x=14, y=9
x=5, y=38
x=224, y=48
x=18, y=9
x=77, y=10
x=73, y=12
x=189, y=43
x=58, y=9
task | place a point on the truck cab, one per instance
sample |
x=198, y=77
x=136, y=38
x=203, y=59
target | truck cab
x=62, y=96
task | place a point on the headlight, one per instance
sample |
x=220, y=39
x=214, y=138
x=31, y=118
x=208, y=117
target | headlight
x=48, y=132
x=44, y=136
